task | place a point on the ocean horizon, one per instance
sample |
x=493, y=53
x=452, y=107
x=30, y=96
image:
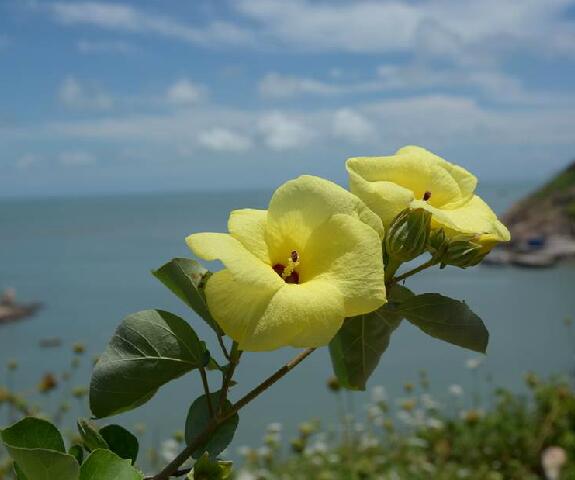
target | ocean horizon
x=88, y=260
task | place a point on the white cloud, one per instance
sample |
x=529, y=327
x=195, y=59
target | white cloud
x=96, y=47
x=185, y=92
x=126, y=18
x=282, y=132
x=353, y=126
x=442, y=27
x=274, y=85
x=76, y=159
x=76, y=95
x=468, y=31
x=439, y=122
x=485, y=82
x=224, y=140
x=490, y=82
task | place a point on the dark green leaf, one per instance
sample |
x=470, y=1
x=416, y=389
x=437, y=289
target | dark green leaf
x=149, y=349
x=106, y=465
x=185, y=278
x=446, y=319
x=121, y=442
x=199, y=417
x=19, y=473
x=38, y=448
x=77, y=452
x=213, y=365
x=90, y=437
x=356, y=349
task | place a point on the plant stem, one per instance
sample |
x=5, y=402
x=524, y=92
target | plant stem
x=223, y=347
x=198, y=441
x=390, y=270
x=430, y=263
x=235, y=355
x=206, y=386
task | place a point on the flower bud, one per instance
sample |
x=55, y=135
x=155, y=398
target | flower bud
x=408, y=235
x=464, y=251
x=438, y=243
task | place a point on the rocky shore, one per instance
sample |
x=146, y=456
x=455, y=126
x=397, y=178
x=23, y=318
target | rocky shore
x=542, y=225
x=11, y=311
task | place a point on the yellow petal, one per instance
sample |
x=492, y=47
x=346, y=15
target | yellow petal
x=347, y=253
x=475, y=217
x=301, y=205
x=241, y=263
x=386, y=199
x=388, y=184
x=466, y=181
x=249, y=227
x=236, y=305
x=307, y=315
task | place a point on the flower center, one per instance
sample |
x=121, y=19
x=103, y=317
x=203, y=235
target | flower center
x=426, y=196
x=287, y=272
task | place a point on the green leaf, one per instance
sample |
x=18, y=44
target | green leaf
x=19, y=473
x=149, y=349
x=38, y=448
x=446, y=319
x=77, y=452
x=106, y=465
x=121, y=442
x=90, y=436
x=207, y=469
x=185, y=278
x=356, y=349
x=198, y=419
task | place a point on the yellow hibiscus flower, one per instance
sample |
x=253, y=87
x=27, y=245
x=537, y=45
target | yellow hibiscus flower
x=416, y=178
x=295, y=271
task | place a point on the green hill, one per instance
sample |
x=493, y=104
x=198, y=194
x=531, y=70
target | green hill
x=548, y=212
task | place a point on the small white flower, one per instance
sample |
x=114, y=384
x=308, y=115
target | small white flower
x=169, y=450
x=435, y=423
x=333, y=458
x=264, y=451
x=463, y=473
x=405, y=417
x=275, y=427
x=378, y=394
x=245, y=475
x=473, y=363
x=455, y=390
x=416, y=442
x=359, y=427
x=373, y=412
x=428, y=402
x=368, y=441
x=553, y=459
x=244, y=451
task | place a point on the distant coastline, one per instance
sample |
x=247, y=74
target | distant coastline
x=542, y=225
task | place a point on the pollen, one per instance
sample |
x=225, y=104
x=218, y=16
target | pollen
x=288, y=271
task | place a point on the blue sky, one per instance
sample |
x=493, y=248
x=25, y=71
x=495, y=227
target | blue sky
x=166, y=95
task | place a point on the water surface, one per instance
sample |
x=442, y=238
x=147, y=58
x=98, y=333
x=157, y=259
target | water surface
x=88, y=261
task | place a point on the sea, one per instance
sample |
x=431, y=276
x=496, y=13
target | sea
x=88, y=260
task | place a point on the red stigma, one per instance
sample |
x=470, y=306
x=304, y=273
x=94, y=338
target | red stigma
x=292, y=278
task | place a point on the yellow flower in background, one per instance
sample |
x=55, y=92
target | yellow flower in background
x=295, y=271
x=416, y=178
